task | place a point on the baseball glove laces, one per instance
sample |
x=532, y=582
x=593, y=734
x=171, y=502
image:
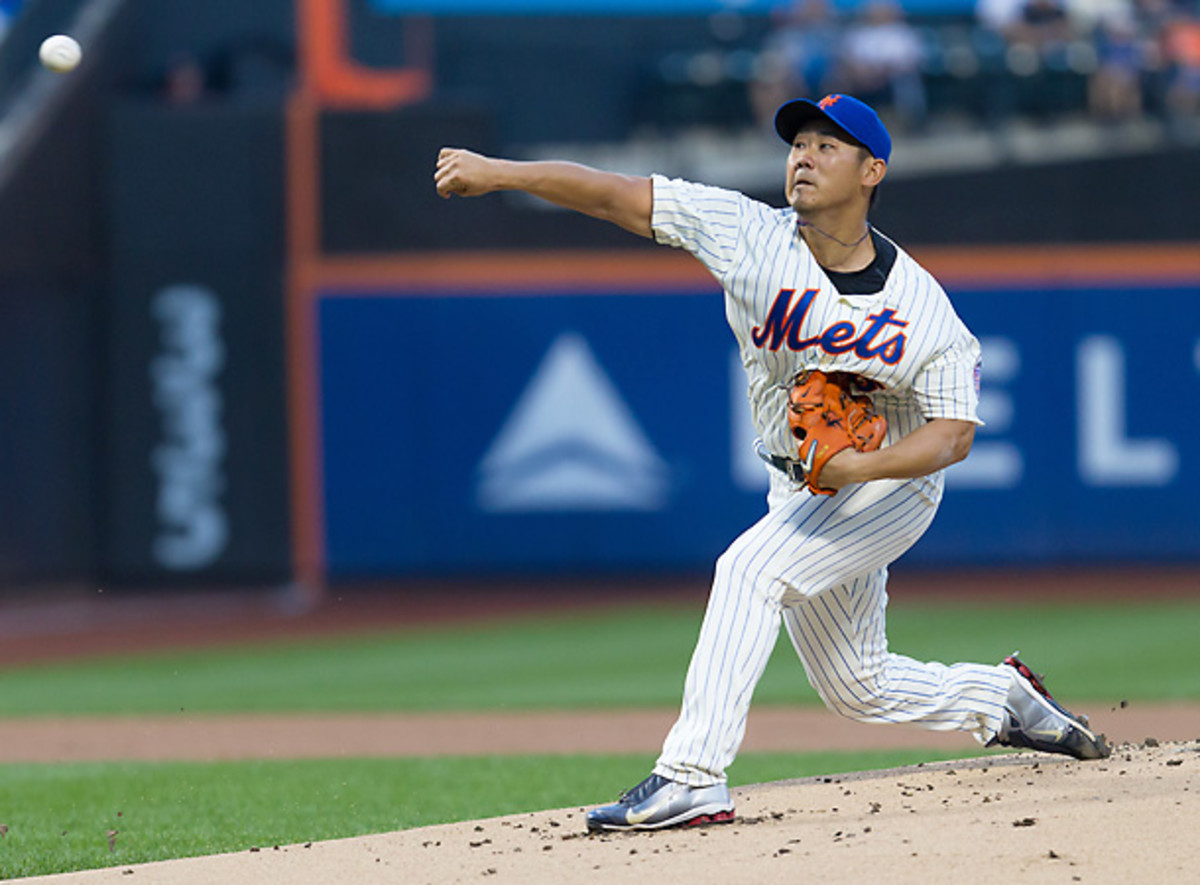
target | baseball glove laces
x=827, y=417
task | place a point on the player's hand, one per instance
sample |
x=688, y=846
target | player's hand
x=465, y=174
x=843, y=469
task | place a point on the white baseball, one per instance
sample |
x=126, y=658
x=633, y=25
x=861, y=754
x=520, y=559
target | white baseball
x=60, y=53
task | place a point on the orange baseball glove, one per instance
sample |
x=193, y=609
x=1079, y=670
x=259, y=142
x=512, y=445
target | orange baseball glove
x=827, y=418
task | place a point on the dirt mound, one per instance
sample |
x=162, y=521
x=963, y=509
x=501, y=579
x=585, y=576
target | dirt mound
x=1029, y=818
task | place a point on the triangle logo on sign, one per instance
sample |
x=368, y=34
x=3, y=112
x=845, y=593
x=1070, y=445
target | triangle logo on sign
x=571, y=443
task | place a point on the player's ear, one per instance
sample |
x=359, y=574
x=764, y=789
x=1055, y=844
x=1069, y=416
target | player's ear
x=873, y=171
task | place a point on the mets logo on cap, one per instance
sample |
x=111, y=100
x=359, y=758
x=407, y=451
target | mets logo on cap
x=856, y=119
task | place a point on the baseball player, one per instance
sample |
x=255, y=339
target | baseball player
x=813, y=287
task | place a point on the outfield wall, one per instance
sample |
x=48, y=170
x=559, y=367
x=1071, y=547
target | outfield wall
x=224, y=316
x=514, y=420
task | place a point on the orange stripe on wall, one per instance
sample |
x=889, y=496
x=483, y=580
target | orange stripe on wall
x=481, y=271
x=1032, y=265
x=308, y=542
x=666, y=269
x=327, y=76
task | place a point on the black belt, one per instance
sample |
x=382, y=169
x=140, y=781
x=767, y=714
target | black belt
x=791, y=468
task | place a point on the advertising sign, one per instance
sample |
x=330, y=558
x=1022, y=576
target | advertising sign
x=586, y=431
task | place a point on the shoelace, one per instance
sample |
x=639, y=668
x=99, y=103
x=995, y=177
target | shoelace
x=634, y=795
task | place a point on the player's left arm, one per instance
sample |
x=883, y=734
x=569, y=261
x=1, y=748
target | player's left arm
x=947, y=385
x=931, y=447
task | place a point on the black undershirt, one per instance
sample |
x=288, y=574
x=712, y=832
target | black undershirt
x=871, y=278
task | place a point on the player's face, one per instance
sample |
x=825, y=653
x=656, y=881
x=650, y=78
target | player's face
x=824, y=171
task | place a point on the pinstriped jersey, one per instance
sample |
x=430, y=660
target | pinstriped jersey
x=906, y=340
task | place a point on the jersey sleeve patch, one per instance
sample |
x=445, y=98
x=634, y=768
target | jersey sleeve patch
x=948, y=385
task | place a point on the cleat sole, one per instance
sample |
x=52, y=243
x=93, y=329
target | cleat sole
x=720, y=817
x=714, y=817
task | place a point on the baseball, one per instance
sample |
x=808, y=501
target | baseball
x=60, y=53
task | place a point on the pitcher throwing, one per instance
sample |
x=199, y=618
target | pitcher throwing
x=812, y=288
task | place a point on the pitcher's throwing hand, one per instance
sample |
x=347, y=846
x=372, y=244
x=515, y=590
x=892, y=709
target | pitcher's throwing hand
x=464, y=173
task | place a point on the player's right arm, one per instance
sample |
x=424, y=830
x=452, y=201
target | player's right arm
x=625, y=200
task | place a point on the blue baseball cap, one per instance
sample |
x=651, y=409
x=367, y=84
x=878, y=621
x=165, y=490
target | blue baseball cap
x=849, y=114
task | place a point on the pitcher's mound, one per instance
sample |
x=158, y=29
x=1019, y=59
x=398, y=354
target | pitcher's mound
x=1027, y=818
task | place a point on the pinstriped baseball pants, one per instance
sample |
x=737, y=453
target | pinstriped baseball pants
x=818, y=564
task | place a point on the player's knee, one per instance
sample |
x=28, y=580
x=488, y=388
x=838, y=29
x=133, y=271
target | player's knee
x=846, y=705
x=730, y=568
x=859, y=697
x=738, y=571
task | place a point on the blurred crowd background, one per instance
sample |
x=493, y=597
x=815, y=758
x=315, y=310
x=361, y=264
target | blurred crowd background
x=926, y=64
x=1109, y=60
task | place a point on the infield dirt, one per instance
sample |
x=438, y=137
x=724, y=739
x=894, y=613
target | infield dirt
x=1025, y=818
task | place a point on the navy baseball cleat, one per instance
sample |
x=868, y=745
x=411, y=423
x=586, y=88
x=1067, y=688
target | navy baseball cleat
x=1035, y=721
x=656, y=803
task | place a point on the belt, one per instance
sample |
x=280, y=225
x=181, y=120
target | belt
x=792, y=469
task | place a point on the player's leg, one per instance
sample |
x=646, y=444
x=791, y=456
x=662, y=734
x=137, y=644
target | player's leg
x=841, y=638
x=824, y=537
x=737, y=636
x=739, y=631
x=805, y=543
x=740, y=628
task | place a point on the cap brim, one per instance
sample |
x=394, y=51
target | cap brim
x=794, y=114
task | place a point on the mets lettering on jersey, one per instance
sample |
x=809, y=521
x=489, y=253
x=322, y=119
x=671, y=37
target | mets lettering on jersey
x=786, y=314
x=784, y=322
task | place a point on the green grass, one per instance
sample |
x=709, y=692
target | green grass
x=629, y=658
x=59, y=816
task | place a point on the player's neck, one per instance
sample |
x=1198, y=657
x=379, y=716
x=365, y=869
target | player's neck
x=838, y=244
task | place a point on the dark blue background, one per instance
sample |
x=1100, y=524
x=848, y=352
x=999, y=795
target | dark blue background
x=415, y=390
x=1052, y=515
